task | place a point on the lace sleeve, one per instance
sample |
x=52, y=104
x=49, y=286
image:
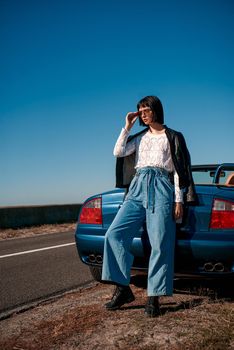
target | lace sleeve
x=122, y=148
x=178, y=191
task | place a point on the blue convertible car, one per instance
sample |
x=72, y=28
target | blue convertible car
x=205, y=238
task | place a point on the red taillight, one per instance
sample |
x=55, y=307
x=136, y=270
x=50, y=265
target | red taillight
x=91, y=212
x=222, y=215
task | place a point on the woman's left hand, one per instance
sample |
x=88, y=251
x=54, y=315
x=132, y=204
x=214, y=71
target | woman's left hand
x=178, y=210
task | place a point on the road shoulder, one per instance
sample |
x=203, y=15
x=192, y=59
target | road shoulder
x=78, y=320
x=31, y=231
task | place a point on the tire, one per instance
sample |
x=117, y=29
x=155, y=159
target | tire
x=96, y=272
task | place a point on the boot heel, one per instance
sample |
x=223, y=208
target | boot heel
x=152, y=308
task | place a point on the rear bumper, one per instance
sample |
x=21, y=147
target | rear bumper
x=191, y=256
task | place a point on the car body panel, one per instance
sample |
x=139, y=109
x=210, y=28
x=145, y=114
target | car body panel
x=196, y=243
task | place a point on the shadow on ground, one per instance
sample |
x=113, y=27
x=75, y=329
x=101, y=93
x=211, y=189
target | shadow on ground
x=213, y=288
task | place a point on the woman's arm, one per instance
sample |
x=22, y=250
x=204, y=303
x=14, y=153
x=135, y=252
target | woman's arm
x=122, y=147
x=178, y=209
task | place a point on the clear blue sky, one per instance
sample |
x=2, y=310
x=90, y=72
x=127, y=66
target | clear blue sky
x=70, y=71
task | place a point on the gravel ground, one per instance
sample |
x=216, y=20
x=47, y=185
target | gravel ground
x=79, y=321
x=196, y=318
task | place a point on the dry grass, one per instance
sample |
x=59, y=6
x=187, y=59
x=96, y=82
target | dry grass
x=79, y=321
x=35, y=230
x=195, y=318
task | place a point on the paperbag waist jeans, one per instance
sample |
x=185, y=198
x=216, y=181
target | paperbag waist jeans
x=150, y=198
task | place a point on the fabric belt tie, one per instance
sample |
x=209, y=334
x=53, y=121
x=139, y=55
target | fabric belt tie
x=149, y=182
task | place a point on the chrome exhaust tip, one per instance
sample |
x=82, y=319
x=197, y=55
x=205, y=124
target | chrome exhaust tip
x=208, y=267
x=99, y=259
x=92, y=258
x=219, y=267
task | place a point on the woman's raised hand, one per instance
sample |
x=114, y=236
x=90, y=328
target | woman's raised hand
x=131, y=117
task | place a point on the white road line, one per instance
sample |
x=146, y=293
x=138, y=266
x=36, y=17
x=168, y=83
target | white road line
x=36, y=250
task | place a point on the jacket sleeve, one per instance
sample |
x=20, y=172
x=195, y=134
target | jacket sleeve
x=184, y=156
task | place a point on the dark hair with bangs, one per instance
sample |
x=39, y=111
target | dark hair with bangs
x=156, y=107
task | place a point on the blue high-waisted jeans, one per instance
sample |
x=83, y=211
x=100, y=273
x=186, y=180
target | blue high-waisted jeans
x=150, y=198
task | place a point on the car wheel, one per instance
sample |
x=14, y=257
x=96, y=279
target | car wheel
x=96, y=272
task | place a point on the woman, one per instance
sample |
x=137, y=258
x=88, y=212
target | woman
x=160, y=160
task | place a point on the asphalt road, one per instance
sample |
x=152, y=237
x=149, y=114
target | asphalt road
x=36, y=268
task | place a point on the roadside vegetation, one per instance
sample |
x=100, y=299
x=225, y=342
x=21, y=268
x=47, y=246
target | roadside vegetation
x=196, y=318
x=199, y=316
x=35, y=230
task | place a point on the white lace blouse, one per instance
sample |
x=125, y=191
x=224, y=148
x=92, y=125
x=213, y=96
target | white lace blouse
x=151, y=150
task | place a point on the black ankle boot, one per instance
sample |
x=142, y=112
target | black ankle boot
x=122, y=295
x=152, y=308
